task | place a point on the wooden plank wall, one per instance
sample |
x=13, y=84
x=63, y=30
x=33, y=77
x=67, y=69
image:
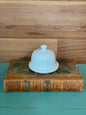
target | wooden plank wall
x=25, y=25
x=43, y=19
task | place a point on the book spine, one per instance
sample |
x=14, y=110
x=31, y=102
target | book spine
x=43, y=85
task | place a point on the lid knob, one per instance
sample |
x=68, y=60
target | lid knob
x=43, y=46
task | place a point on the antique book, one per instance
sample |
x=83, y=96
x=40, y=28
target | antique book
x=20, y=78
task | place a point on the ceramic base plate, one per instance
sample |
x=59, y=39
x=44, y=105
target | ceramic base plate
x=44, y=71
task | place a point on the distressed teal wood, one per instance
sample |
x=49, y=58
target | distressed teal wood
x=42, y=103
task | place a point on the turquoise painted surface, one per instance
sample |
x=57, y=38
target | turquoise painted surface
x=42, y=103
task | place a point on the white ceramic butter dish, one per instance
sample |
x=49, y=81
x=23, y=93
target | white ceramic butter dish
x=43, y=61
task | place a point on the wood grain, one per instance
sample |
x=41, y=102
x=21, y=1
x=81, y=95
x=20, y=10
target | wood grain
x=42, y=19
x=67, y=48
x=72, y=49
x=42, y=0
x=17, y=48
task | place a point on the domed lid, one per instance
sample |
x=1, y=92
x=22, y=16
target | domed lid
x=43, y=60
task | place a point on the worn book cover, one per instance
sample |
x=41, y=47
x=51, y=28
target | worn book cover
x=20, y=78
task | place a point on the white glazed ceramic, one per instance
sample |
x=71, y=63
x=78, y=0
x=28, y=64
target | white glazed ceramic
x=43, y=60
